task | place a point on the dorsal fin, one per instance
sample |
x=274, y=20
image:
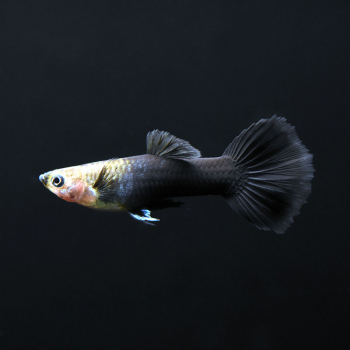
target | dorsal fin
x=163, y=144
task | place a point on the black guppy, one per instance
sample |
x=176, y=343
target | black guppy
x=264, y=175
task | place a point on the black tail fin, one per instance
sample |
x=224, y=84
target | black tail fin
x=275, y=170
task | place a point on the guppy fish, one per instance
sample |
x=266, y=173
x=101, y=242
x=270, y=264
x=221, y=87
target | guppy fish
x=264, y=175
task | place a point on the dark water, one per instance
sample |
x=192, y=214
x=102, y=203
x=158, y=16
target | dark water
x=85, y=81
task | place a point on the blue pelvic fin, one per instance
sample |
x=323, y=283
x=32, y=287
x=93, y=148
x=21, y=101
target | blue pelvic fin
x=145, y=216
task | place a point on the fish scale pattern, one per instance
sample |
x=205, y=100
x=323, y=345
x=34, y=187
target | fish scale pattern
x=156, y=178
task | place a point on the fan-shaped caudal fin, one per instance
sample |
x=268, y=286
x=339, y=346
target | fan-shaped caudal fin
x=278, y=171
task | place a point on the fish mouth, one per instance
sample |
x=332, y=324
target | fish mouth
x=43, y=179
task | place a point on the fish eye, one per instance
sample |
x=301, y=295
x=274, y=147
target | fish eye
x=58, y=181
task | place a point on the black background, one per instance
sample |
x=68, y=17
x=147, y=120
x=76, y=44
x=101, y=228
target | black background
x=85, y=81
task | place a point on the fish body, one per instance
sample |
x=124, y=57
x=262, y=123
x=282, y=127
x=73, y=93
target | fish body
x=150, y=179
x=264, y=175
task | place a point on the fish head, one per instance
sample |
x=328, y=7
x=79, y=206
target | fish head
x=69, y=184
